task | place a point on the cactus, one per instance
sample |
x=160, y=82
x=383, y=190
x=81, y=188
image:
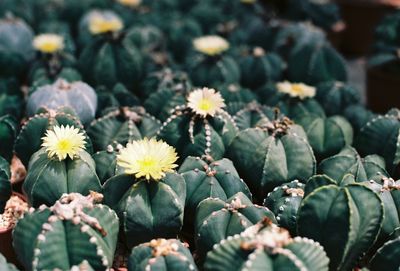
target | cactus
x=327, y=136
x=74, y=229
x=150, y=203
x=344, y=219
x=120, y=126
x=15, y=46
x=348, y=161
x=11, y=98
x=235, y=93
x=284, y=201
x=386, y=258
x=106, y=163
x=253, y=114
x=60, y=166
x=118, y=96
x=218, y=219
x=204, y=127
x=209, y=179
x=161, y=254
x=266, y=246
x=20, y=8
x=358, y=116
x=6, y=266
x=258, y=67
x=8, y=133
x=335, y=97
x=380, y=135
x=5, y=184
x=78, y=96
x=30, y=137
x=147, y=38
x=313, y=63
x=258, y=153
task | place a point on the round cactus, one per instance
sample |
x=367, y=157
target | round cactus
x=327, y=136
x=358, y=116
x=11, y=98
x=73, y=230
x=235, y=93
x=284, y=201
x=5, y=184
x=345, y=220
x=161, y=254
x=118, y=96
x=147, y=38
x=6, y=266
x=209, y=179
x=8, y=133
x=336, y=96
x=218, y=219
x=254, y=114
x=30, y=137
x=77, y=95
x=265, y=245
x=258, y=153
x=60, y=166
x=386, y=258
x=348, y=161
x=120, y=126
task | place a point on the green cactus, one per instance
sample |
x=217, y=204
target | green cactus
x=326, y=135
x=209, y=179
x=265, y=246
x=348, y=161
x=386, y=258
x=15, y=46
x=11, y=98
x=121, y=125
x=272, y=154
x=258, y=67
x=8, y=133
x=106, y=163
x=147, y=38
x=218, y=219
x=161, y=254
x=314, y=63
x=345, y=219
x=20, y=8
x=254, y=114
x=5, y=184
x=358, y=116
x=236, y=93
x=30, y=137
x=335, y=97
x=78, y=96
x=4, y=266
x=117, y=96
x=380, y=135
x=284, y=201
x=73, y=230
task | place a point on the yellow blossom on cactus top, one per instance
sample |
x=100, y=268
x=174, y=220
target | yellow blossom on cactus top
x=211, y=45
x=99, y=24
x=248, y=1
x=205, y=102
x=298, y=90
x=147, y=158
x=48, y=43
x=63, y=141
x=130, y=3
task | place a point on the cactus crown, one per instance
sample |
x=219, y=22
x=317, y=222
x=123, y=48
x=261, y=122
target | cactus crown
x=277, y=127
x=163, y=247
x=48, y=43
x=388, y=184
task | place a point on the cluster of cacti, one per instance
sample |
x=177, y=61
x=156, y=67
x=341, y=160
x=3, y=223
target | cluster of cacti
x=222, y=138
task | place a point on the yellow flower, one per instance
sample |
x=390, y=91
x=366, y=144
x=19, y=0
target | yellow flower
x=298, y=90
x=211, y=45
x=130, y=3
x=99, y=24
x=147, y=158
x=63, y=141
x=248, y=1
x=205, y=102
x=48, y=43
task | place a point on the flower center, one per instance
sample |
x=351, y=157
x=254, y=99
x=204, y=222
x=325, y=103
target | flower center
x=147, y=164
x=64, y=145
x=205, y=105
x=296, y=88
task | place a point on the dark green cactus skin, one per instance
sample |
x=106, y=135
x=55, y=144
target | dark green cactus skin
x=348, y=161
x=380, y=136
x=147, y=210
x=209, y=135
x=106, y=163
x=315, y=63
x=345, y=220
x=284, y=201
x=30, y=137
x=253, y=114
x=114, y=97
x=257, y=153
x=5, y=184
x=16, y=48
x=41, y=77
x=45, y=242
x=120, y=126
x=48, y=179
x=212, y=71
x=11, y=98
x=147, y=38
x=111, y=59
x=327, y=136
x=162, y=255
x=20, y=8
x=259, y=67
x=387, y=257
x=248, y=252
x=358, y=116
x=235, y=93
x=4, y=266
x=335, y=97
x=8, y=133
x=218, y=219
